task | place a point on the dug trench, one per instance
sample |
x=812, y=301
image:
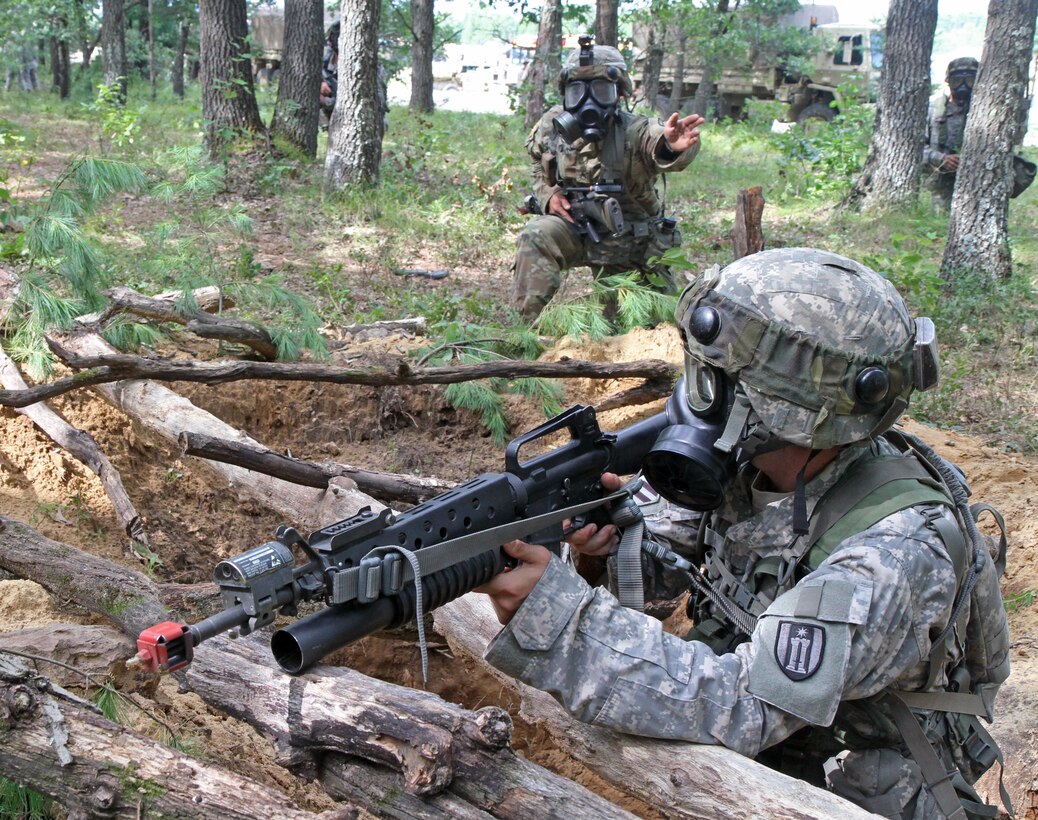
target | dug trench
x=192, y=523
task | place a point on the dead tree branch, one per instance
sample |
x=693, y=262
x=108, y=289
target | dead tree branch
x=168, y=414
x=104, y=369
x=196, y=320
x=384, y=486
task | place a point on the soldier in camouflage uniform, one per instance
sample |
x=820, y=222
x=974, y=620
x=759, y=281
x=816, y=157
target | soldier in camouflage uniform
x=946, y=120
x=618, y=148
x=802, y=360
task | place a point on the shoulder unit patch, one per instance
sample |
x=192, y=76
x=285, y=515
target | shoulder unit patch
x=799, y=648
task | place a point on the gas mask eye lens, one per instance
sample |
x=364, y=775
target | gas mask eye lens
x=705, y=324
x=604, y=91
x=872, y=385
x=703, y=387
x=576, y=91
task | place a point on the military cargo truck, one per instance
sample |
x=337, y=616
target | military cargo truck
x=849, y=57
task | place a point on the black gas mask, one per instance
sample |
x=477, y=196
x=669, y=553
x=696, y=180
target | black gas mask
x=961, y=85
x=693, y=461
x=589, y=97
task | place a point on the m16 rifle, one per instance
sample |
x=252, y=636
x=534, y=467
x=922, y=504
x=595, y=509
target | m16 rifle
x=592, y=207
x=381, y=570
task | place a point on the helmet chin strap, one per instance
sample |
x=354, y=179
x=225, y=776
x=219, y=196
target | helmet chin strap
x=800, y=521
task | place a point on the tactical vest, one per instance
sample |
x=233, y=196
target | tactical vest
x=975, y=644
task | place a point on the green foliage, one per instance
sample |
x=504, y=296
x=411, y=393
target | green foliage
x=118, y=124
x=823, y=160
x=1022, y=600
x=107, y=700
x=63, y=276
x=20, y=803
x=637, y=304
x=457, y=342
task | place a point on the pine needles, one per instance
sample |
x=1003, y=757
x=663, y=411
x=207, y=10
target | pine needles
x=470, y=344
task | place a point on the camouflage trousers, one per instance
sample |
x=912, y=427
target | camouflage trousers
x=550, y=245
x=941, y=187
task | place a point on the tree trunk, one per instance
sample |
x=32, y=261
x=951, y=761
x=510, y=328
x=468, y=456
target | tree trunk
x=653, y=65
x=677, y=93
x=228, y=100
x=177, y=73
x=606, y=22
x=126, y=598
x=61, y=746
x=547, y=61
x=679, y=780
x=113, y=45
x=423, y=23
x=891, y=174
x=87, y=42
x=704, y=92
x=978, y=230
x=151, y=49
x=297, y=112
x=60, y=60
x=355, y=134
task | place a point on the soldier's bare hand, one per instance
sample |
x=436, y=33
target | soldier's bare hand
x=559, y=205
x=591, y=539
x=509, y=589
x=682, y=134
x=950, y=163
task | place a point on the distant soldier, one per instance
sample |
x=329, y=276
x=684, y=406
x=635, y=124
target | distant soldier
x=946, y=127
x=330, y=77
x=595, y=168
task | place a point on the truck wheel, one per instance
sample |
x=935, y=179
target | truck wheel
x=815, y=114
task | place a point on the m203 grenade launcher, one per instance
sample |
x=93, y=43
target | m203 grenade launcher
x=371, y=568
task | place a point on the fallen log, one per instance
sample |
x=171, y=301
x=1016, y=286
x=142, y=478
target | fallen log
x=648, y=391
x=81, y=446
x=63, y=747
x=124, y=597
x=104, y=367
x=168, y=414
x=678, y=779
x=210, y=298
x=437, y=747
x=385, y=486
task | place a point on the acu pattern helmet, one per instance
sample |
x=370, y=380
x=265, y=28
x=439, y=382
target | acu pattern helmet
x=962, y=65
x=822, y=347
x=608, y=63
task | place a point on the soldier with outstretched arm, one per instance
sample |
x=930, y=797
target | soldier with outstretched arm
x=589, y=151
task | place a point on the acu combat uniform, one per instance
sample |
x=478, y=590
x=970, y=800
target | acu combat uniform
x=946, y=124
x=848, y=633
x=633, y=153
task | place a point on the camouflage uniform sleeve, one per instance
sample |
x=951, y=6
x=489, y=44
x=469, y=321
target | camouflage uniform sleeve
x=540, y=153
x=652, y=147
x=932, y=154
x=864, y=629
